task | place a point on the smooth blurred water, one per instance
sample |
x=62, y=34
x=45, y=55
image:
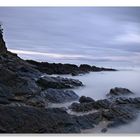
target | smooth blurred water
x=98, y=84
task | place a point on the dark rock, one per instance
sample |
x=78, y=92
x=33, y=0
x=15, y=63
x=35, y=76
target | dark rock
x=84, y=99
x=58, y=68
x=104, y=130
x=117, y=91
x=37, y=101
x=4, y=101
x=5, y=91
x=88, y=106
x=34, y=120
x=53, y=68
x=85, y=68
x=89, y=121
x=3, y=48
x=58, y=82
x=120, y=114
x=59, y=96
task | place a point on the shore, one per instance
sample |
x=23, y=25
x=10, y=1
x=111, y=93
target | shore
x=27, y=88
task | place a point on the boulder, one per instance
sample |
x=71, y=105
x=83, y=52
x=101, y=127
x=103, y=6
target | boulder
x=118, y=91
x=88, y=106
x=84, y=99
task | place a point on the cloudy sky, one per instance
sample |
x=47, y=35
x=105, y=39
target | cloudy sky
x=104, y=36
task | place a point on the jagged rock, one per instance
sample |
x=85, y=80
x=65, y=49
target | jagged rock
x=59, y=96
x=58, y=82
x=84, y=99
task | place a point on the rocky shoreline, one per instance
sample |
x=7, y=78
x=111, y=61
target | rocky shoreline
x=58, y=68
x=25, y=94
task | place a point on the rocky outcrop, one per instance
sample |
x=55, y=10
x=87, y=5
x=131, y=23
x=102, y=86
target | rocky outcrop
x=118, y=91
x=22, y=84
x=59, y=95
x=57, y=82
x=117, y=111
x=36, y=120
x=3, y=48
x=54, y=68
x=84, y=99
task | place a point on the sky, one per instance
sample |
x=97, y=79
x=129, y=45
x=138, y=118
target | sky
x=94, y=35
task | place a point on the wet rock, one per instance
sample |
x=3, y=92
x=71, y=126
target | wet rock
x=58, y=82
x=118, y=91
x=84, y=99
x=59, y=95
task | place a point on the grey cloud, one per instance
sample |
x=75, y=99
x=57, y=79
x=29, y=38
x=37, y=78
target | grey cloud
x=85, y=30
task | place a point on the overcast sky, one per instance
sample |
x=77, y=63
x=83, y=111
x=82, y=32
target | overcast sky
x=78, y=35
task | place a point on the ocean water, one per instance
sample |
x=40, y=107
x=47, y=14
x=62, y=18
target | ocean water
x=98, y=84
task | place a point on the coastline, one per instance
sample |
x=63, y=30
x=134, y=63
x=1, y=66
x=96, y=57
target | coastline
x=25, y=95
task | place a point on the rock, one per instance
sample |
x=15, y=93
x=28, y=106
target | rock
x=59, y=95
x=37, y=101
x=117, y=91
x=120, y=114
x=84, y=99
x=89, y=121
x=58, y=68
x=83, y=107
x=85, y=68
x=34, y=120
x=88, y=106
x=5, y=91
x=104, y=130
x=4, y=101
x=3, y=48
x=58, y=82
x=16, y=84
